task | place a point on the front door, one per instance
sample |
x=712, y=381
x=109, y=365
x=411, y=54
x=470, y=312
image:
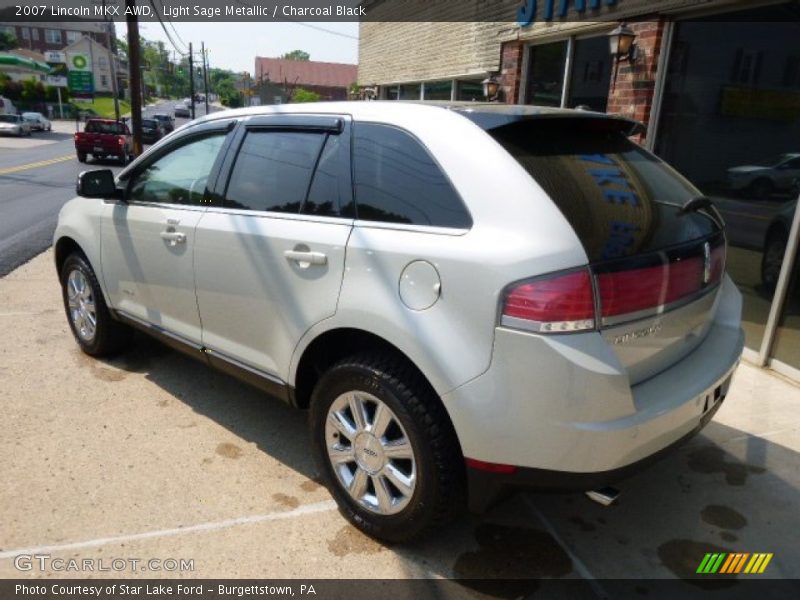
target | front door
x=148, y=240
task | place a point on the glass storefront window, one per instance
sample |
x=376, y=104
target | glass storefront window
x=545, y=77
x=391, y=92
x=470, y=90
x=591, y=74
x=410, y=91
x=438, y=90
x=730, y=122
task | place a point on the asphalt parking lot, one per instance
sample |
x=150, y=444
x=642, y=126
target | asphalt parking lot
x=154, y=456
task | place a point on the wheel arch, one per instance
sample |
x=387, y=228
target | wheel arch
x=67, y=244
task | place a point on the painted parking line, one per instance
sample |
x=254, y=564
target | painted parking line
x=36, y=165
x=308, y=509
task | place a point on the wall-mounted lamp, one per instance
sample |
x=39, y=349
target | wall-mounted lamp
x=622, y=45
x=491, y=89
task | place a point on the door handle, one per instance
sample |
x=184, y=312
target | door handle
x=309, y=258
x=173, y=237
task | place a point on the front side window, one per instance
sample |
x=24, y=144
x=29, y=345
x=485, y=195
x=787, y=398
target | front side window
x=273, y=170
x=179, y=177
x=397, y=181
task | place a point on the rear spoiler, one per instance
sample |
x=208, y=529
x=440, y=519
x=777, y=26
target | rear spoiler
x=493, y=120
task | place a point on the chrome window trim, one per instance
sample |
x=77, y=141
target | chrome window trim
x=266, y=214
x=430, y=229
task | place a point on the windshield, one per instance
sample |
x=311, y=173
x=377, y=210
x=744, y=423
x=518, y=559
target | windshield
x=102, y=127
x=9, y=118
x=31, y=115
x=149, y=123
x=620, y=199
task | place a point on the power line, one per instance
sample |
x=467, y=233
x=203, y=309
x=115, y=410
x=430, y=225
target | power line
x=169, y=37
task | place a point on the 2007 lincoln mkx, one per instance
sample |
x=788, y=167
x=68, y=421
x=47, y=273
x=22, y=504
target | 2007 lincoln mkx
x=468, y=298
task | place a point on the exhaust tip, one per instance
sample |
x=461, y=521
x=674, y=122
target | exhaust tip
x=605, y=496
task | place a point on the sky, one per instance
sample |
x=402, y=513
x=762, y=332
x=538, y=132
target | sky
x=234, y=46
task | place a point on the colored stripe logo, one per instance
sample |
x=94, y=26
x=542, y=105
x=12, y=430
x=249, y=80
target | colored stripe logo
x=734, y=563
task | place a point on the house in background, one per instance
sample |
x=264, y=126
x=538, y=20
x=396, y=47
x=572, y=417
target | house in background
x=44, y=36
x=100, y=60
x=276, y=79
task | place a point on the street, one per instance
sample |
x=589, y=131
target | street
x=37, y=176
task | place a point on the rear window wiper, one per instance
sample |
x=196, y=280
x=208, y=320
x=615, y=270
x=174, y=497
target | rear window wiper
x=703, y=203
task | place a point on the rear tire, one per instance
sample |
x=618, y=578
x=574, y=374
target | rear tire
x=95, y=330
x=82, y=157
x=396, y=476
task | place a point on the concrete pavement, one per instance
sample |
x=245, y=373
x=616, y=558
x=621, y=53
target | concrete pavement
x=152, y=455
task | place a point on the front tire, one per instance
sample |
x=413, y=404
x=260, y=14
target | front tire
x=386, y=448
x=95, y=330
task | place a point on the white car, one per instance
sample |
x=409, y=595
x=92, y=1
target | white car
x=37, y=121
x=14, y=125
x=468, y=298
x=764, y=177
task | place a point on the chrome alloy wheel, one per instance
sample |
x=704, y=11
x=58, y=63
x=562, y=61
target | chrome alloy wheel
x=82, y=310
x=370, y=453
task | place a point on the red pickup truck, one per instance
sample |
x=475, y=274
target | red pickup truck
x=104, y=138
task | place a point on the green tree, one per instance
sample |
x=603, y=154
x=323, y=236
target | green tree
x=8, y=41
x=228, y=94
x=296, y=55
x=302, y=95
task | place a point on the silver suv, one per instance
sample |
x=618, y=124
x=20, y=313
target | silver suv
x=467, y=298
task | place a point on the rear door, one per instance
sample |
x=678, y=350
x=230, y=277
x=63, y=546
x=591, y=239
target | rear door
x=656, y=269
x=270, y=256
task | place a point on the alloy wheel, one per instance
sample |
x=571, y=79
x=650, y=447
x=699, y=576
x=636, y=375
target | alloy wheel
x=81, y=304
x=370, y=453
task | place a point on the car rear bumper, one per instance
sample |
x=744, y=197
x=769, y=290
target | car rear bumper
x=567, y=417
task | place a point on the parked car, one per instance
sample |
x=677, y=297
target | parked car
x=764, y=177
x=37, y=121
x=468, y=298
x=166, y=121
x=775, y=242
x=151, y=131
x=104, y=138
x=181, y=110
x=14, y=125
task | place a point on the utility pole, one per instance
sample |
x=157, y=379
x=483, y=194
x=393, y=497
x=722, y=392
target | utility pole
x=134, y=74
x=191, y=77
x=113, y=50
x=205, y=72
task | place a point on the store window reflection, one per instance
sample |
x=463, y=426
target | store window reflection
x=786, y=347
x=591, y=74
x=730, y=122
x=545, y=78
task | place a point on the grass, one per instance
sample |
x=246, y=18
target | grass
x=103, y=107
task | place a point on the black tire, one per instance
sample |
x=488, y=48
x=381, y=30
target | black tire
x=82, y=157
x=110, y=337
x=439, y=492
x=772, y=258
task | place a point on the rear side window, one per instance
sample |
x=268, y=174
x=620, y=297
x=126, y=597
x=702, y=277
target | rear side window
x=397, y=181
x=620, y=199
x=101, y=127
x=273, y=170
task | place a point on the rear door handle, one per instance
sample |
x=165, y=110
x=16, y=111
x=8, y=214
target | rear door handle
x=309, y=258
x=173, y=237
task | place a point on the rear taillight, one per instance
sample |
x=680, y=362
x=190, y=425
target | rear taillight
x=557, y=303
x=624, y=290
x=121, y=140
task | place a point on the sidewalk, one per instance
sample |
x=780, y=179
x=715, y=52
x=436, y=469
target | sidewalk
x=154, y=455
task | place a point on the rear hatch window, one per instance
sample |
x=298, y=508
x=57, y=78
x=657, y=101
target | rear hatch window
x=620, y=199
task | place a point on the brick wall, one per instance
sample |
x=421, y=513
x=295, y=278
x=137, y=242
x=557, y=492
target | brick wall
x=511, y=71
x=631, y=94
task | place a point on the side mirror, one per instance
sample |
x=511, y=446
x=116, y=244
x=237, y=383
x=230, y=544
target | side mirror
x=97, y=184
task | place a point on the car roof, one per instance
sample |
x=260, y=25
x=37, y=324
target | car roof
x=487, y=115
x=30, y=112
x=98, y=120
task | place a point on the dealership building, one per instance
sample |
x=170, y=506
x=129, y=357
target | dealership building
x=716, y=82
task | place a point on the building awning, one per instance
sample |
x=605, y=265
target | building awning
x=23, y=62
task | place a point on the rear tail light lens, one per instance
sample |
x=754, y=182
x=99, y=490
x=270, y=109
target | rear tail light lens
x=121, y=140
x=565, y=302
x=558, y=303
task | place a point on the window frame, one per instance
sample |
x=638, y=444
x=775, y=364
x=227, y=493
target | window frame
x=338, y=124
x=47, y=36
x=408, y=226
x=225, y=127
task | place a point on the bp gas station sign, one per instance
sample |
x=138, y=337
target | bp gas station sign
x=80, y=78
